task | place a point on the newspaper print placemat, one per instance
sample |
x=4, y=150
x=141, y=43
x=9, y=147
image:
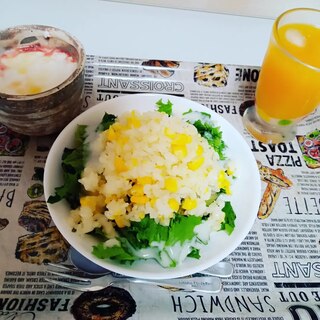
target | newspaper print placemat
x=277, y=266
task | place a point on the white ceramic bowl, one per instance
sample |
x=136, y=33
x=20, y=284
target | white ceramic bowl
x=245, y=197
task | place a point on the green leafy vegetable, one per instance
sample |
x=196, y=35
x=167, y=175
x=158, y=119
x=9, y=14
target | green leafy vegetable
x=107, y=121
x=214, y=197
x=206, y=114
x=182, y=229
x=115, y=252
x=195, y=253
x=73, y=162
x=99, y=234
x=143, y=234
x=213, y=136
x=165, y=107
x=229, y=220
x=187, y=112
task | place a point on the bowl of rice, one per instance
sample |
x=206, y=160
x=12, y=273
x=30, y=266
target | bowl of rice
x=152, y=186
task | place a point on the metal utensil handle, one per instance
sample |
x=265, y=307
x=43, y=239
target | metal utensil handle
x=200, y=284
x=222, y=269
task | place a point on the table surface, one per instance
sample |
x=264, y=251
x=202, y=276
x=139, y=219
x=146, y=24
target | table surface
x=277, y=262
x=139, y=31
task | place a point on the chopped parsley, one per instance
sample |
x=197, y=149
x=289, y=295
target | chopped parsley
x=145, y=233
x=73, y=163
x=195, y=253
x=229, y=220
x=214, y=197
x=114, y=253
x=213, y=135
x=107, y=121
x=164, y=107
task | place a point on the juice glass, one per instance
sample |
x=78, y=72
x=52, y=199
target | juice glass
x=288, y=88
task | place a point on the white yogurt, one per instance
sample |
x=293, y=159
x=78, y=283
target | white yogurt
x=34, y=69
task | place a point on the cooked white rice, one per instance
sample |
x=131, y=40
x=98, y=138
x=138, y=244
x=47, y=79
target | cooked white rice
x=153, y=164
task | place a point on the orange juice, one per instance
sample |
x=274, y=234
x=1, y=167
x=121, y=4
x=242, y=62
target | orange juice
x=289, y=81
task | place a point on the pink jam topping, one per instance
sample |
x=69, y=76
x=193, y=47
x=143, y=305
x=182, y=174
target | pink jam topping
x=33, y=69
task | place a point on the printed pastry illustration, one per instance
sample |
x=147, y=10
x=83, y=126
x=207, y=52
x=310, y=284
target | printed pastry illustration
x=211, y=75
x=310, y=148
x=34, y=216
x=276, y=180
x=109, y=303
x=12, y=143
x=42, y=247
x=3, y=223
x=35, y=191
x=164, y=68
x=38, y=174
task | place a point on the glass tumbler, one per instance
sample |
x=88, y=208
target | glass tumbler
x=288, y=88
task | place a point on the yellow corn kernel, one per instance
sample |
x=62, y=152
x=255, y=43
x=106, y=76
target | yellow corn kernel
x=116, y=127
x=181, y=139
x=221, y=177
x=171, y=184
x=180, y=151
x=100, y=202
x=121, y=221
x=139, y=199
x=89, y=201
x=95, y=203
x=145, y=180
x=110, y=134
x=161, y=167
x=173, y=204
x=196, y=163
x=169, y=133
x=199, y=151
x=153, y=202
x=122, y=140
x=133, y=121
x=230, y=172
x=223, y=182
x=189, y=204
x=137, y=190
x=120, y=165
x=135, y=162
x=109, y=198
x=141, y=215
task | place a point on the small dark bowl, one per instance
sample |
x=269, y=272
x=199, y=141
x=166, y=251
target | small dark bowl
x=48, y=111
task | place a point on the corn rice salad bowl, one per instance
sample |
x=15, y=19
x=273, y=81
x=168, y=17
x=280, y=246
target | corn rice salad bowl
x=161, y=186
